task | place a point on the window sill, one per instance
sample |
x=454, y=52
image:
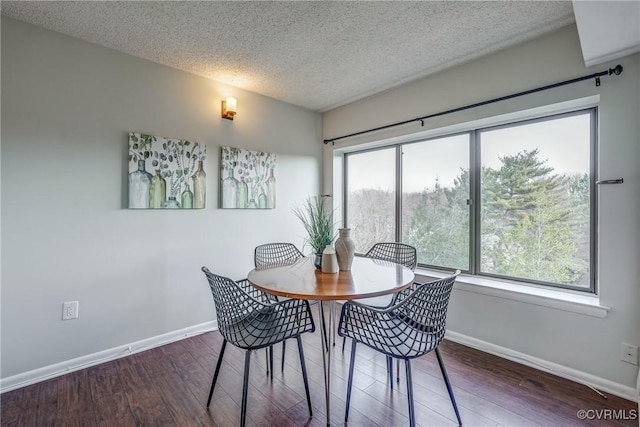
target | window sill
x=561, y=300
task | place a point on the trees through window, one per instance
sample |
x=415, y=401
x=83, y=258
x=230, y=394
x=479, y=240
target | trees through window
x=512, y=201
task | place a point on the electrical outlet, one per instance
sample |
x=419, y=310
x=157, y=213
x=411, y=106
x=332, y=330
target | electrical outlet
x=70, y=310
x=629, y=353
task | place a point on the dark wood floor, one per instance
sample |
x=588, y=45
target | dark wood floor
x=168, y=386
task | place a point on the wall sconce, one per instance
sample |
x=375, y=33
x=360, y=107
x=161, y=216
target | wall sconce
x=229, y=108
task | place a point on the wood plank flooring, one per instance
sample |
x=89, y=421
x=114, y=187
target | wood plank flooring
x=168, y=386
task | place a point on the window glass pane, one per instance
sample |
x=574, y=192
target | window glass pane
x=435, y=189
x=371, y=197
x=535, y=195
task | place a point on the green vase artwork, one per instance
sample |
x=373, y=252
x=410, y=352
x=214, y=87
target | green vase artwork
x=199, y=187
x=271, y=190
x=262, y=200
x=139, y=184
x=248, y=180
x=242, y=194
x=229, y=190
x=187, y=198
x=172, y=203
x=178, y=164
x=157, y=191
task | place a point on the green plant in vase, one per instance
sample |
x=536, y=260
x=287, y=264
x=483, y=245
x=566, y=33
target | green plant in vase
x=318, y=221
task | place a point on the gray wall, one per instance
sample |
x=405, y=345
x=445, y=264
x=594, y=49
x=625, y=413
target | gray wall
x=587, y=344
x=67, y=107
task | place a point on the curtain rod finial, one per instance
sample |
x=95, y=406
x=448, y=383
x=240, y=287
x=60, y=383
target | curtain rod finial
x=617, y=70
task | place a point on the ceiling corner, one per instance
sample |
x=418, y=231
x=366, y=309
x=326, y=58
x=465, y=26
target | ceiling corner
x=608, y=30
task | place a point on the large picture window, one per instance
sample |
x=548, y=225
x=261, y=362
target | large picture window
x=513, y=201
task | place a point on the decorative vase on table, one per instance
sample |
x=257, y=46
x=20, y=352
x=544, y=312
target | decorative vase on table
x=329, y=260
x=345, y=249
x=317, y=260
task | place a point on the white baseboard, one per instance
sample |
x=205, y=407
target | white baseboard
x=599, y=383
x=41, y=374
x=62, y=368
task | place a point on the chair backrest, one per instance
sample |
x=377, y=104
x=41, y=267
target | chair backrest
x=232, y=302
x=399, y=253
x=276, y=254
x=250, y=323
x=426, y=307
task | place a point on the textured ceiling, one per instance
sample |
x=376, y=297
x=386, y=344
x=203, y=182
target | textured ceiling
x=318, y=55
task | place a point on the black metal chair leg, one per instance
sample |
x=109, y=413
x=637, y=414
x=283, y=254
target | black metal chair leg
x=344, y=341
x=398, y=371
x=350, y=383
x=412, y=414
x=304, y=374
x=266, y=358
x=449, y=389
x=251, y=322
x=245, y=388
x=336, y=316
x=284, y=347
x=271, y=361
x=215, y=375
x=390, y=370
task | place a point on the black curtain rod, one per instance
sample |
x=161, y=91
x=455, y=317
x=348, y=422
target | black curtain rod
x=617, y=71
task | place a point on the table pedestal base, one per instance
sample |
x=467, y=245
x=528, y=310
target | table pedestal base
x=326, y=330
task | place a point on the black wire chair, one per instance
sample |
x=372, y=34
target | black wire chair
x=249, y=321
x=275, y=255
x=411, y=327
x=399, y=253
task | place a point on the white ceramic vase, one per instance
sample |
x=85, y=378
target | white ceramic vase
x=345, y=249
x=329, y=260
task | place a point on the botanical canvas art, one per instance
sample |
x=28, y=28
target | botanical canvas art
x=166, y=173
x=247, y=179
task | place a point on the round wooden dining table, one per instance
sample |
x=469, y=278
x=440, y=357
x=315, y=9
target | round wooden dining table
x=300, y=279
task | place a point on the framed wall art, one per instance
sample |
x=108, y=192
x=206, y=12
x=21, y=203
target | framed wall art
x=166, y=173
x=247, y=179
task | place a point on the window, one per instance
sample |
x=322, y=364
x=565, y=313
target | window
x=371, y=197
x=435, y=190
x=513, y=201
